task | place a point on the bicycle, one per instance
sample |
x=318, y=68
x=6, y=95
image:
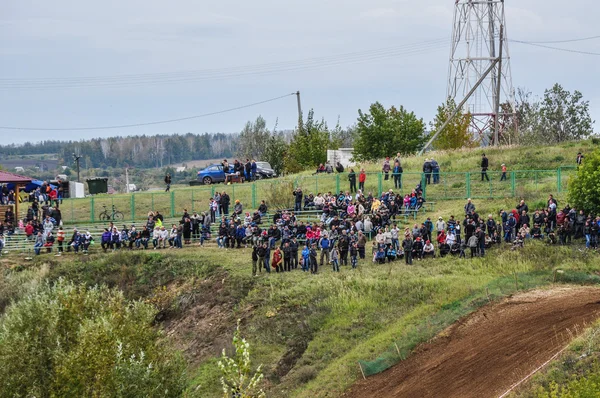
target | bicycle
x=115, y=215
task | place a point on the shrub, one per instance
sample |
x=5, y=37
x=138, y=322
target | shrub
x=237, y=379
x=68, y=340
x=584, y=189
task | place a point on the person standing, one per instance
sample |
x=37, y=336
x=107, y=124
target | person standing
x=294, y=252
x=352, y=179
x=503, y=178
x=362, y=177
x=277, y=263
x=324, y=246
x=397, y=173
x=407, y=246
x=335, y=260
x=427, y=171
x=484, y=167
x=386, y=168
x=168, y=182
x=579, y=159
x=435, y=168
x=314, y=266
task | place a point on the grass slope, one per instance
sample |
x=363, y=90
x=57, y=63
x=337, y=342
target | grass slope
x=452, y=185
x=309, y=331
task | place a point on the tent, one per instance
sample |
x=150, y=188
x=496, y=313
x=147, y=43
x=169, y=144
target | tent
x=35, y=184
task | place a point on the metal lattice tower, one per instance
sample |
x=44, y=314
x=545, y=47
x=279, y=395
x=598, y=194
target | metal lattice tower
x=478, y=40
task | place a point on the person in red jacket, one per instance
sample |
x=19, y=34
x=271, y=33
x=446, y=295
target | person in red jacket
x=362, y=177
x=277, y=260
x=29, y=230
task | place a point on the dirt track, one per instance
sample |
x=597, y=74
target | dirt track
x=485, y=353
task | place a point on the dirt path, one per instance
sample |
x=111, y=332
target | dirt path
x=485, y=353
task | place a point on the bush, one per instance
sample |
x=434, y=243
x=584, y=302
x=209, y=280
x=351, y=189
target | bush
x=584, y=189
x=71, y=341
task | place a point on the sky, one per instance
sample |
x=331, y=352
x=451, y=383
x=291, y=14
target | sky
x=72, y=63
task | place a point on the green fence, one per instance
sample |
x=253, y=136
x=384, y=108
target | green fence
x=135, y=206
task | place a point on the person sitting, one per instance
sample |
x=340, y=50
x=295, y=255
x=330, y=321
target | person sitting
x=536, y=232
x=444, y=249
x=455, y=249
x=417, y=251
x=380, y=256
x=391, y=255
x=519, y=242
x=428, y=250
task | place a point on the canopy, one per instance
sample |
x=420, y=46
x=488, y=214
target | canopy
x=35, y=184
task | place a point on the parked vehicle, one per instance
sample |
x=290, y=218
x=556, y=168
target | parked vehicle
x=211, y=174
x=214, y=173
x=264, y=170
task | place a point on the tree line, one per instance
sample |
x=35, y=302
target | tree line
x=141, y=151
x=379, y=131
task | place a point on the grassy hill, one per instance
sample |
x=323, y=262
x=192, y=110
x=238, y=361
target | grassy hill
x=311, y=331
x=536, y=173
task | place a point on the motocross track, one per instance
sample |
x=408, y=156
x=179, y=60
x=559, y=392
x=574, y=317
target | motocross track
x=485, y=353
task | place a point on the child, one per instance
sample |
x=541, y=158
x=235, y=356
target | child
x=60, y=237
x=463, y=246
x=374, y=251
x=335, y=259
x=305, y=258
x=503, y=178
x=354, y=255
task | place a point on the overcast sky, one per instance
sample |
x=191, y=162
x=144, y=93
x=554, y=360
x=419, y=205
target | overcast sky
x=46, y=40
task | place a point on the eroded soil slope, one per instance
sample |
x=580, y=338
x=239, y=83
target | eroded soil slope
x=488, y=351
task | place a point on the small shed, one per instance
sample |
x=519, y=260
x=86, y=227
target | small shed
x=14, y=182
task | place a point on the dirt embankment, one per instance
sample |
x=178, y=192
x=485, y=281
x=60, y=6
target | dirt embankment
x=484, y=354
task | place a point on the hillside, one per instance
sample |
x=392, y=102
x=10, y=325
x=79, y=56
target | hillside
x=536, y=174
x=311, y=331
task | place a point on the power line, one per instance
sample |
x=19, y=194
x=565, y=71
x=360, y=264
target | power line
x=225, y=73
x=556, y=48
x=562, y=41
x=143, y=124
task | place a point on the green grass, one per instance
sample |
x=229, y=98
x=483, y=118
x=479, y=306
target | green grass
x=309, y=331
x=338, y=319
x=454, y=184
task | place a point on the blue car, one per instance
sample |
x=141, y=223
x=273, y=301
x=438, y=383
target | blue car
x=211, y=174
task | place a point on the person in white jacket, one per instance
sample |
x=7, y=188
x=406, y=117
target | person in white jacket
x=163, y=237
x=440, y=225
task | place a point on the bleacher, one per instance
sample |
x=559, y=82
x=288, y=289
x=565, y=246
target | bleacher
x=17, y=243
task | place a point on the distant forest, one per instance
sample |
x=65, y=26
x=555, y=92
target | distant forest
x=139, y=151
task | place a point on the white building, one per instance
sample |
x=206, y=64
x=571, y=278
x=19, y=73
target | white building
x=342, y=155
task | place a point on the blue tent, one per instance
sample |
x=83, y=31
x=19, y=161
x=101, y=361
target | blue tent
x=35, y=184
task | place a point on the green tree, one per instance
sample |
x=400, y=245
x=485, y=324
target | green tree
x=565, y=116
x=275, y=151
x=560, y=116
x=309, y=144
x=252, y=140
x=384, y=132
x=70, y=341
x=584, y=189
x=456, y=134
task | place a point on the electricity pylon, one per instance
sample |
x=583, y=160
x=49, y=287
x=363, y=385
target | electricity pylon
x=478, y=41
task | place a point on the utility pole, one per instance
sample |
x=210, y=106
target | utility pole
x=76, y=158
x=498, y=88
x=127, y=178
x=299, y=109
